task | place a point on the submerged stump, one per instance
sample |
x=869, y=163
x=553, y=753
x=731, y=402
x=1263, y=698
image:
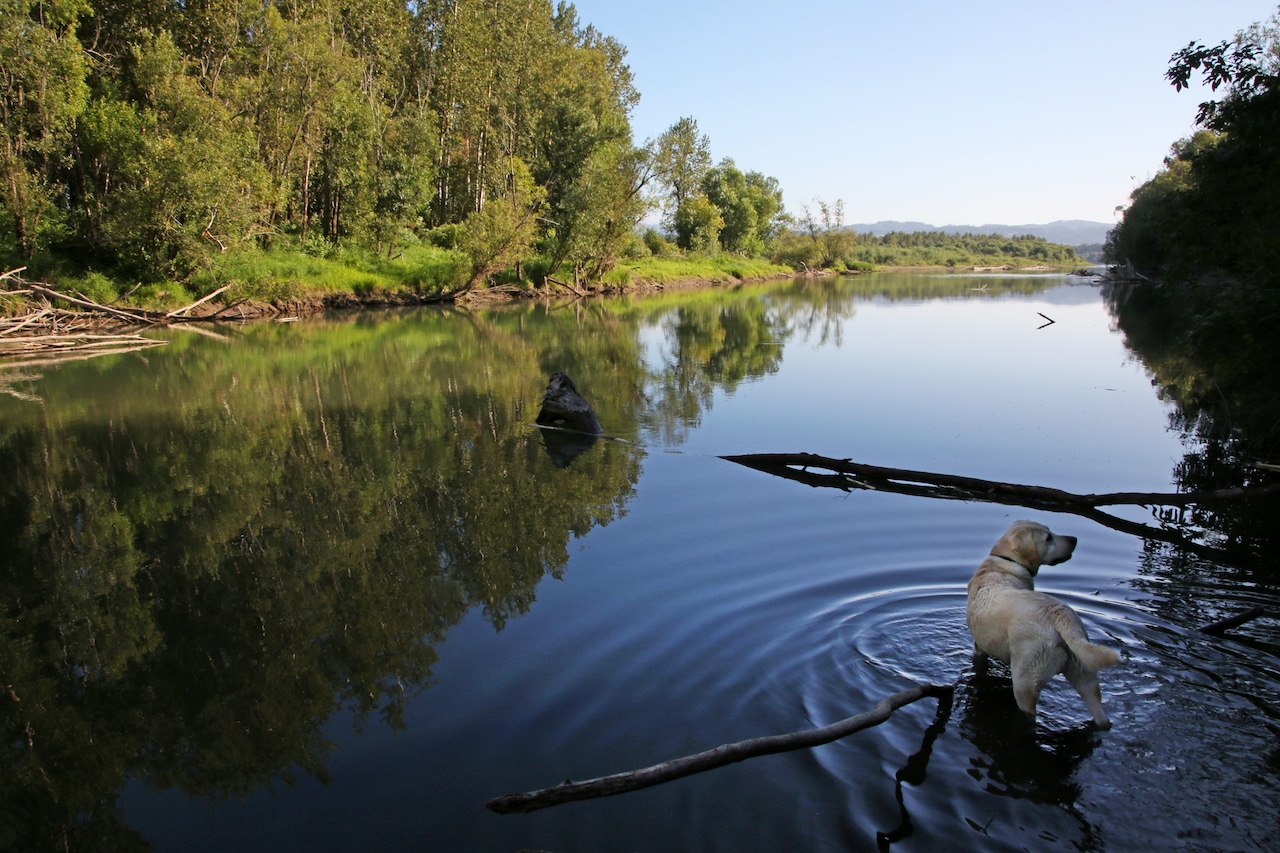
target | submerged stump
x=564, y=407
x=572, y=424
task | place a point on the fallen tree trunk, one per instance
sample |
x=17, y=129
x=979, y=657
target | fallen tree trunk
x=634, y=780
x=848, y=475
x=855, y=475
x=138, y=317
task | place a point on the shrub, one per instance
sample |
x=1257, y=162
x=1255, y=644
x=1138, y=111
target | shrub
x=658, y=246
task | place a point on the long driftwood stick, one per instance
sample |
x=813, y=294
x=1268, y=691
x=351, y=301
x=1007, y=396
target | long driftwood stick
x=634, y=780
x=203, y=299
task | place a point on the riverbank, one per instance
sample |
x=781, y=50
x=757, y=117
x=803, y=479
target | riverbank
x=32, y=309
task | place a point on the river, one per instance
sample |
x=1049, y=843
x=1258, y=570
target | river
x=323, y=585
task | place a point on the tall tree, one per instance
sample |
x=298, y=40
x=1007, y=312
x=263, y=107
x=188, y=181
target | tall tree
x=488, y=61
x=593, y=175
x=501, y=232
x=682, y=156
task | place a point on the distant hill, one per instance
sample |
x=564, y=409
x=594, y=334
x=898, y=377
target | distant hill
x=1067, y=232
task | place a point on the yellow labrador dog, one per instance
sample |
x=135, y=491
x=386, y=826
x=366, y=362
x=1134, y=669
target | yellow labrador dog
x=1037, y=635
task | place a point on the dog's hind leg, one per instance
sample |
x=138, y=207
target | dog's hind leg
x=1085, y=681
x=1028, y=681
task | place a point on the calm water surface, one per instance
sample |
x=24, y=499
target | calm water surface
x=322, y=586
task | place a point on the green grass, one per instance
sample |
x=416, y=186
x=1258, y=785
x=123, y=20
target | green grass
x=287, y=273
x=715, y=268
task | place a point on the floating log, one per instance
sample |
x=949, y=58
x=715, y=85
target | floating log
x=634, y=780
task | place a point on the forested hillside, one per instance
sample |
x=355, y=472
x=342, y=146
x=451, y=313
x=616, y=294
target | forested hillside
x=149, y=138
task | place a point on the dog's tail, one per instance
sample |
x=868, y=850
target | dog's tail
x=1092, y=655
x=1071, y=629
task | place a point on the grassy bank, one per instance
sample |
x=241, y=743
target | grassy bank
x=339, y=276
x=285, y=275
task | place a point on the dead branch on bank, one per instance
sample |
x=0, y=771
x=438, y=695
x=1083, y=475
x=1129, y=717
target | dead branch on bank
x=565, y=285
x=848, y=475
x=635, y=780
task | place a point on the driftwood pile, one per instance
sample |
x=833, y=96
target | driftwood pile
x=39, y=324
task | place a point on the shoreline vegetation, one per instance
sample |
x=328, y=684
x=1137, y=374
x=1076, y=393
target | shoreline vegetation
x=284, y=287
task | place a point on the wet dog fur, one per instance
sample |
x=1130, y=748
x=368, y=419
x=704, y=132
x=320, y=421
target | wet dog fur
x=1036, y=634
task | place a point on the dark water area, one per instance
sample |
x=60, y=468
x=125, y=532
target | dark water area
x=324, y=586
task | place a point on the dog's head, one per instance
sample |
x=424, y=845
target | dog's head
x=1033, y=545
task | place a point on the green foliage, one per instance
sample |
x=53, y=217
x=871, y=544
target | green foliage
x=201, y=130
x=657, y=244
x=819, y=248
x=1157, y=225
x=820, y=242
x=681, y=157
x=42, y=92
x=168, y=180
x=750, y=205
x=697, y=223
x=1211, y=212
x=502, y=231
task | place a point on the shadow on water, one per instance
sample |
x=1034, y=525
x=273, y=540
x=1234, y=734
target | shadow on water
x=1020, y=760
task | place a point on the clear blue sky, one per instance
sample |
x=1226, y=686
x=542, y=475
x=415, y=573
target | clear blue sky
x=945, y=113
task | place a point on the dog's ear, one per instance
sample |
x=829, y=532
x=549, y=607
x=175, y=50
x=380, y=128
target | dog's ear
x=1019, y=544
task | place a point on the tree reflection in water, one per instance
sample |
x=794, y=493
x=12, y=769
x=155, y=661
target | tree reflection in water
x=208, y=551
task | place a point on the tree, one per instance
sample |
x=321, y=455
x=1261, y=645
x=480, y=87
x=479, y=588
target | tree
x=502, y=232
x=488, y=66
x=167, y=180
x=681, y=157
x=43, y=71
x=593, y=175
x=751, y=205
x=1212, y=210
x=598, y=215
x=698, y=224
x=826, y=231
